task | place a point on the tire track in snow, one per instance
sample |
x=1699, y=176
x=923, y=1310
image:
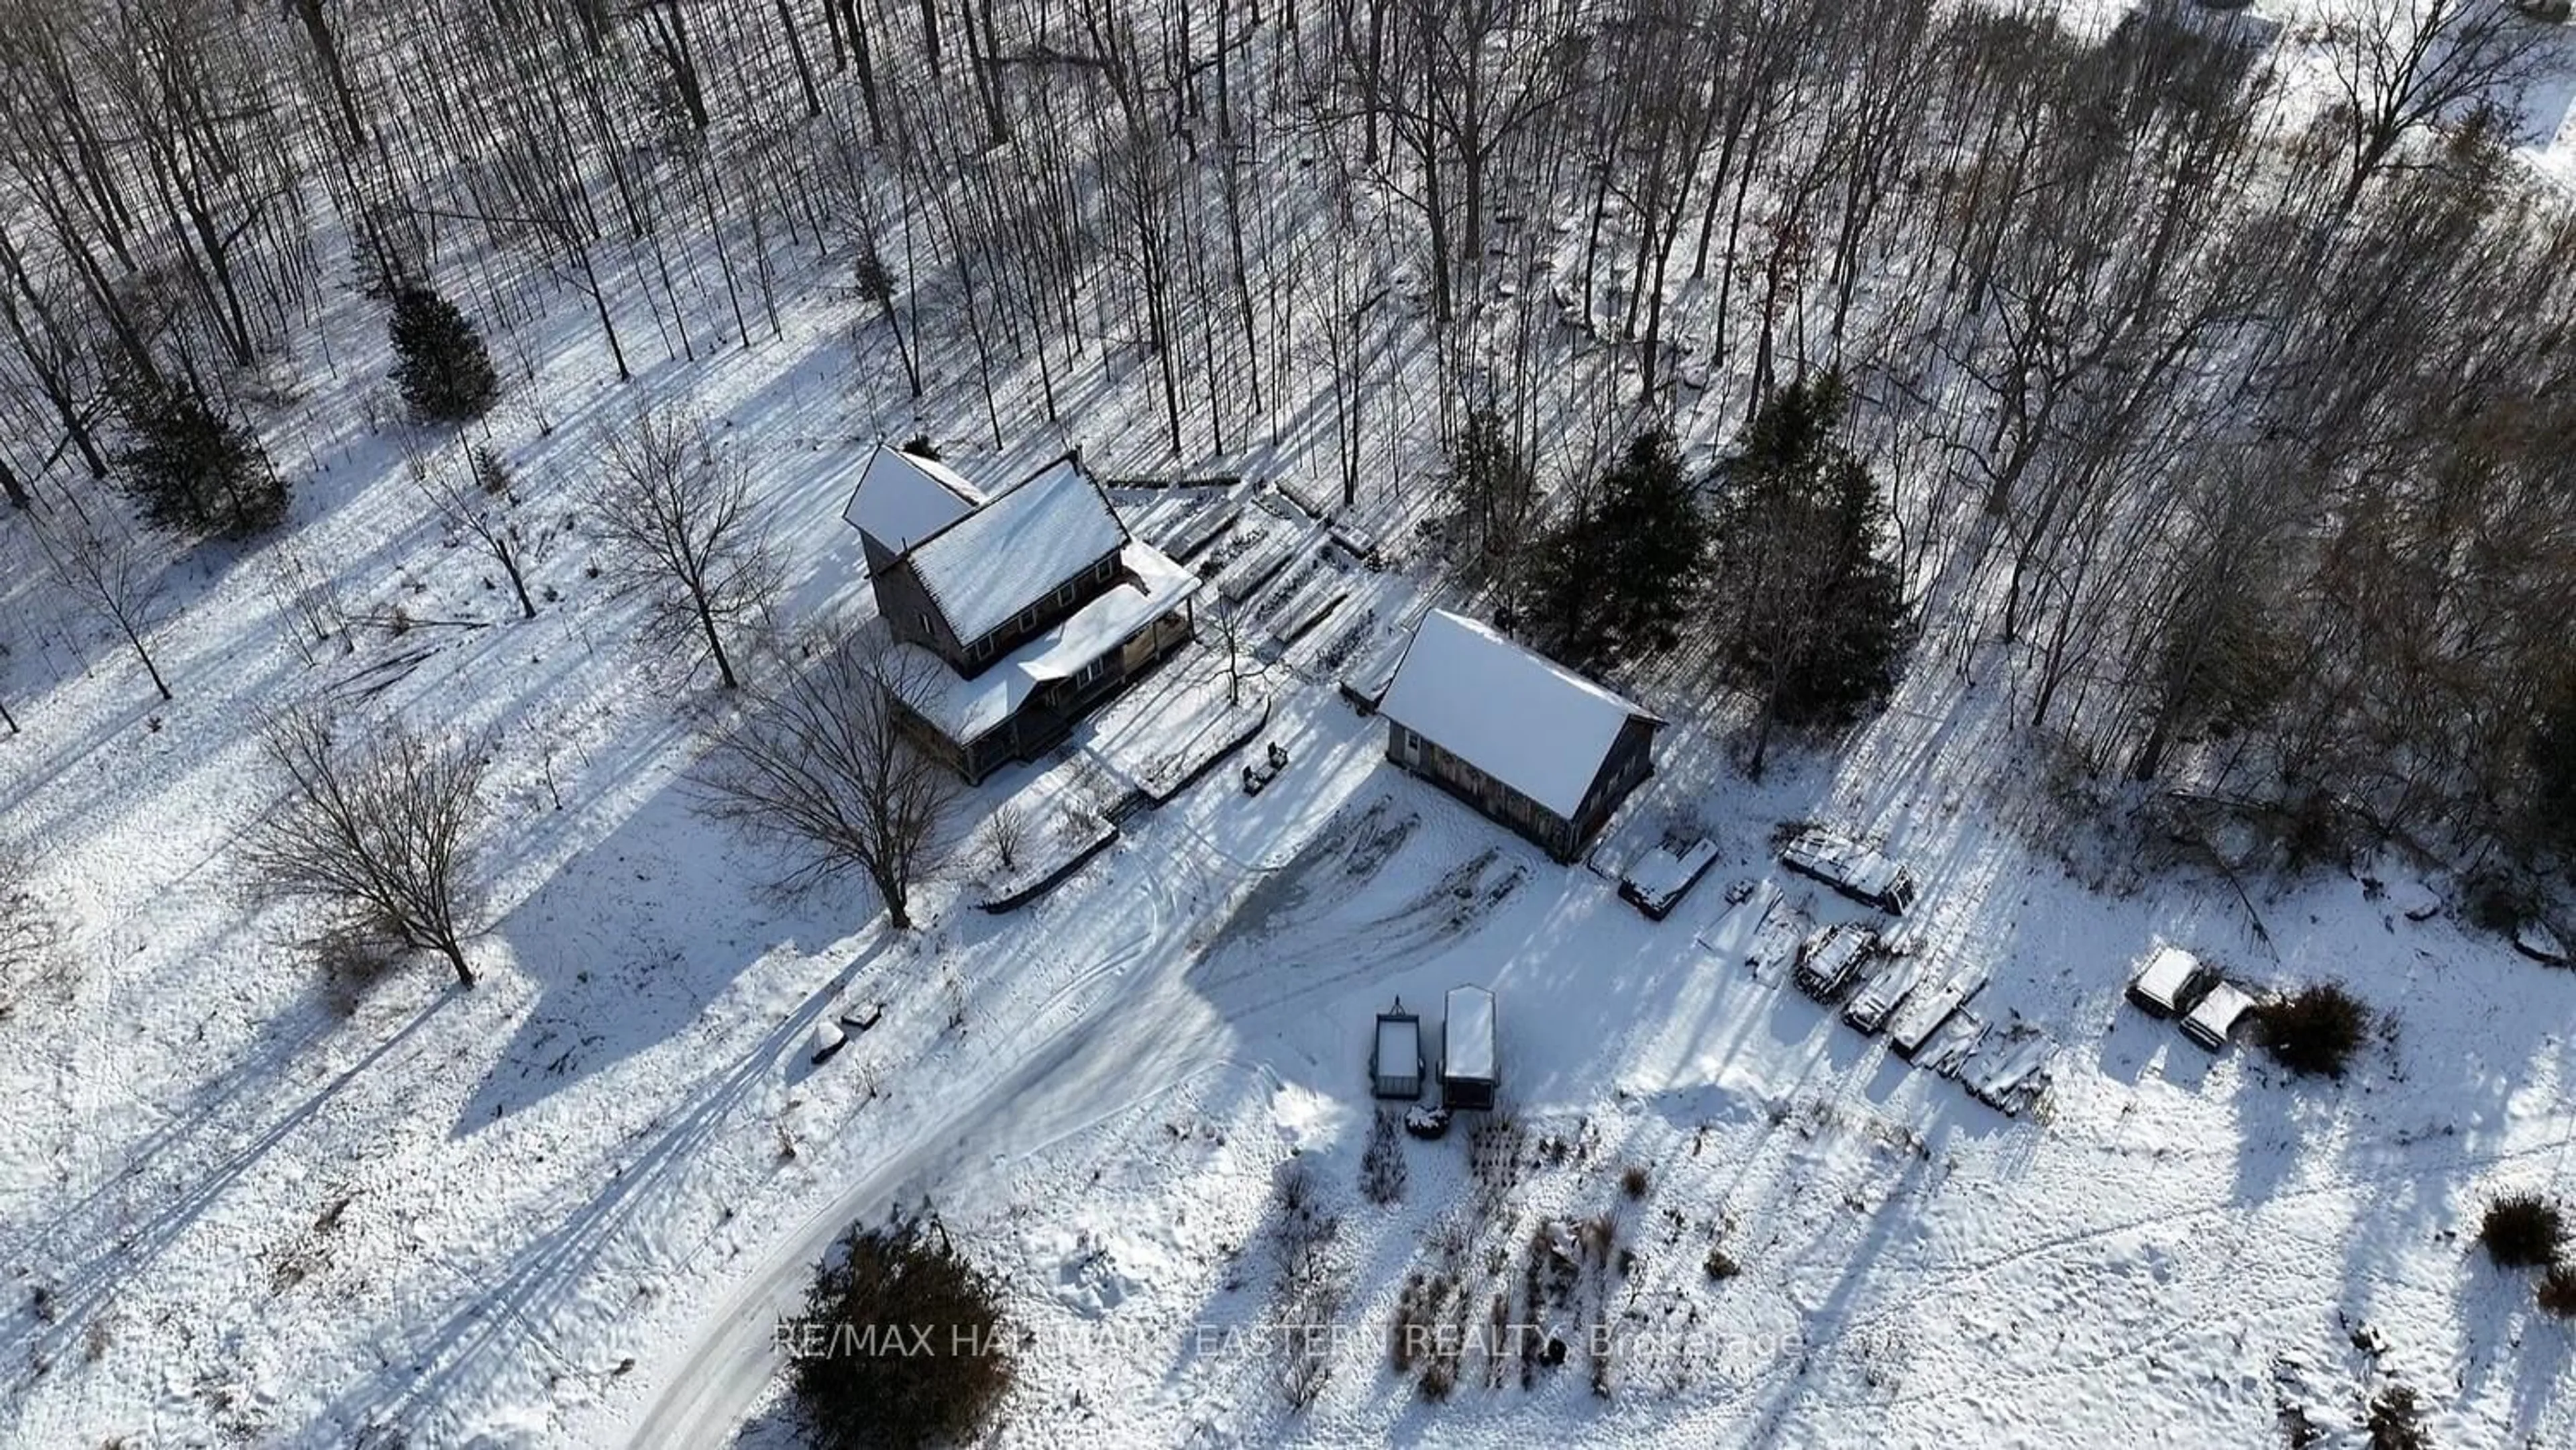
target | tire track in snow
x=1137, y=1023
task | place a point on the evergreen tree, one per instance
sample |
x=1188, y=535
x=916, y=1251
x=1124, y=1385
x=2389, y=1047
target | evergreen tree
x=1814, y=617
x=1614, y=580
x=440, y=362
x=2552, y=757
x=902, y=1342
x=1490, y=493
x=190, y=469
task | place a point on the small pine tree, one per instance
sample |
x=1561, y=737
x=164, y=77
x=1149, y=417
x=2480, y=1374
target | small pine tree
x=1613, y=581
x=2523, y=1230
x=1491, y=493
x=2314, y=1031
x=901, y=1342
x=1814, y=617
x=190, y=469
x=440, y=362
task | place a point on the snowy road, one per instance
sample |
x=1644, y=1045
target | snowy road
x=1110, y=1039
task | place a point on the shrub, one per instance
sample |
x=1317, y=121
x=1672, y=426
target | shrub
x=900, y=1343
x=2557, y=1292
x=2522, y=1230
x=1722, y=1266
x=2315, y=1031
x=2396, y=1421
x=2498, y=903
x=1382, y=1170
x=1633, y=1181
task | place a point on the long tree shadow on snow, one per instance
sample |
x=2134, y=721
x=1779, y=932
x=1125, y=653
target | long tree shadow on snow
x=495, y=1343
x=632, y=937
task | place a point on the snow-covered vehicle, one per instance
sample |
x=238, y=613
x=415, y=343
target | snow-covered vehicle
x=1832, y=959
x=1924, y=1012
x=1888, y=988
x=2170, y=982
x=2215, y=1018
x=1851, y=868
x=1664, y=875
x=2013, y=1073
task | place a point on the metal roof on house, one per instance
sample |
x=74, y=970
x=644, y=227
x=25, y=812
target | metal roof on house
x=965, y=709
x=904, y=498
x=1534, y=725
x=1017, y=548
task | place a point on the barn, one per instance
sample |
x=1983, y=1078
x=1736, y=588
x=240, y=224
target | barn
x=1530, y=743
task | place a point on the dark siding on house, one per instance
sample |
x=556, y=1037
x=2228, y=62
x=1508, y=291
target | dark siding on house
x=915, y=616
x=912, y=614
x=1629, y=761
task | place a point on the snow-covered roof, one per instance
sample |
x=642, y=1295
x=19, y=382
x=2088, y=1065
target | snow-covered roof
x=2165, y=974
x=903, y=498
x=965, y=709
x=1467, y=1036
x=1534, y=725
x=1838, y=859
x=1018, y=548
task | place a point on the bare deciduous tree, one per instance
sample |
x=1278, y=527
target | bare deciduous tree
x=113, y=576
x=2400, y=66
x=676, y=516
x=827, y=766
x=475, y=498
x=379, y=824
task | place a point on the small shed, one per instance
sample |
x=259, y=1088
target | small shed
x=1469, y=1064
x=1395, y=1061
x=2169, y=983
x=2214, y=1020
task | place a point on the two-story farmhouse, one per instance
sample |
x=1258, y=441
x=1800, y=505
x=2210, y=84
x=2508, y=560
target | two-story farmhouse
x=1528, y=742
x=1034, y=601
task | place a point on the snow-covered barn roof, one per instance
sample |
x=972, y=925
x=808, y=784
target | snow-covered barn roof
x=1017, y=548
x=1467, y=1035
x=1534, y=725
x=965, y=709
x=903, y=498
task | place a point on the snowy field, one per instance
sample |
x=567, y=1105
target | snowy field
x=564, y=1208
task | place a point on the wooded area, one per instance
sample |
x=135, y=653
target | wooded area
x=2219, y=416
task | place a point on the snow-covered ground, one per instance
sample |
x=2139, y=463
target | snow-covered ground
x=564, y=1208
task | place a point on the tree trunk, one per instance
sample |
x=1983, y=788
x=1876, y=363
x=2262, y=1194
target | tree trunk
x=455, y=954
x=715, y=647
x=145, y=655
